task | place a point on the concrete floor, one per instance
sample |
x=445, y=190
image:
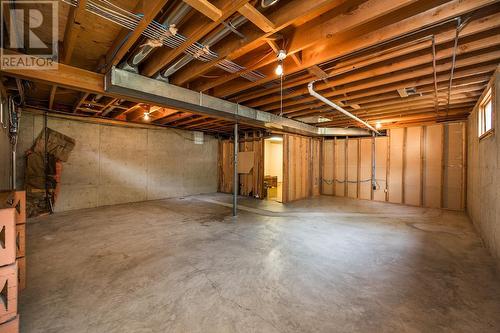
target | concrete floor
x=321, y=265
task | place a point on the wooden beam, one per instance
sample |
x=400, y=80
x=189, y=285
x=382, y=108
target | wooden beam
x=63, y=76
x=380, y=85
x=325, y=27
x=334, y=47
x=257, y=18
x=126, y=38
x=72, y=30
x=393, y=67
x=52, y=96
x=293, y=12
x=206, y=8
x=164, y=56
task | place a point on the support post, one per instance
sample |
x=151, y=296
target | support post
x=235, y=167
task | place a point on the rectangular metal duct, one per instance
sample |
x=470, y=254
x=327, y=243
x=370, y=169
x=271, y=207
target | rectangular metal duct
x=160, y=93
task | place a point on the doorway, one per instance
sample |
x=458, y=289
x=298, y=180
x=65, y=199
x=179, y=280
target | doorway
x=273, y=168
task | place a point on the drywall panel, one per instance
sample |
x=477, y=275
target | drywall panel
x=454, y=135
x=379, y=194
x=365, y=168
x=328, y=167
x=433, y=155
x=117, y=164
x=395, y=182
x=412, y=172
x=352, y=168
x=340, y=167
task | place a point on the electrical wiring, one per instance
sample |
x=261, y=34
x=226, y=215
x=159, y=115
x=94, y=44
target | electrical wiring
x=338, y=181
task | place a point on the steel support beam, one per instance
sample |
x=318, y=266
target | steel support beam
x=235, y=171
x=156, y=92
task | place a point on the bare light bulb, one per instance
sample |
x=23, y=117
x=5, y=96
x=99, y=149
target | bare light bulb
x=378, y=125
x=279, y=70
x=146, y=116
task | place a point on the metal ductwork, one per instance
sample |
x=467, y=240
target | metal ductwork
x=156, y=92
x=325, y=100
x=208, y=42
x=171, y=21
x=268, y=3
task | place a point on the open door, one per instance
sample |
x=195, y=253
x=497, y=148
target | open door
x=273, y=168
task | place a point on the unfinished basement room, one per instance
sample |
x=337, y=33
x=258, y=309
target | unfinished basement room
x=238, y=166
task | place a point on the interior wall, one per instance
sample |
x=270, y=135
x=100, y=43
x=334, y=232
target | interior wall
x=301, y=167
x=273, y=159
x=483, y=177
x=117, y=164
x=251, y=184
x=4, y=156
x=419, y=166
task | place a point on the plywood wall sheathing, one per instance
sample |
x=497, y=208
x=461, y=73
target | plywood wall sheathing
x=411, y=163
x=316, y=167
x=395, y=182
x=340, y=171
x=352, y=168
x=380, y=168
x=301, y=158
x=412, y=181
x=252, y=183
x=365, y=169
x=432, y=166
x=328, y=166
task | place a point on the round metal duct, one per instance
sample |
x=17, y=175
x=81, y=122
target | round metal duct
x=268, y=3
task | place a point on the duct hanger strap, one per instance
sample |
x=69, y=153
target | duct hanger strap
x=312, y=92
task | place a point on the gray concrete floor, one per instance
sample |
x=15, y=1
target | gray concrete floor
x=321, y=265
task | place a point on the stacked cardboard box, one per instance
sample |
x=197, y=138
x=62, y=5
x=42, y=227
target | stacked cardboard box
x=8, y=271
x=17, y=200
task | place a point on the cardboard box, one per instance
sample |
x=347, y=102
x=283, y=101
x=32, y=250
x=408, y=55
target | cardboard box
x=12, y=326
x=21, y=273
x=20, y=240
x=17, y=200
x=7, y=236
x=8, y=292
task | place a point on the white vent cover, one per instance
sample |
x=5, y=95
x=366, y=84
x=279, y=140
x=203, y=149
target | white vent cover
x=198, y=138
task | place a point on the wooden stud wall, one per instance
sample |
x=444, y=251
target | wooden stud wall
x=396, y=154
x=365, y=168
x=419, y=166
x=251, y=184
x=301, y=167
x=380, y=169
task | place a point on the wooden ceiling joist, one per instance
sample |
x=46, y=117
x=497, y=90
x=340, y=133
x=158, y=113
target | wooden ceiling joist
x=72, y=30
x=257, y=18
x=206, y=8
x=293, y=12
x=333, y=48
x=198, y=30
x=126, y=38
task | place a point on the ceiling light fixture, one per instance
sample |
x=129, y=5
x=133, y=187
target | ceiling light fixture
x=146, y=116
x=279, y=70
x=378, y=125
x=281, y=55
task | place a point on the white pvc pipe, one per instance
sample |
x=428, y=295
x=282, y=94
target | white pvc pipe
x=325, y=100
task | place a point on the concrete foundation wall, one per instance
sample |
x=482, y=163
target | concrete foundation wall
x=117, y=164
x=4, y=157
x=483, y=179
